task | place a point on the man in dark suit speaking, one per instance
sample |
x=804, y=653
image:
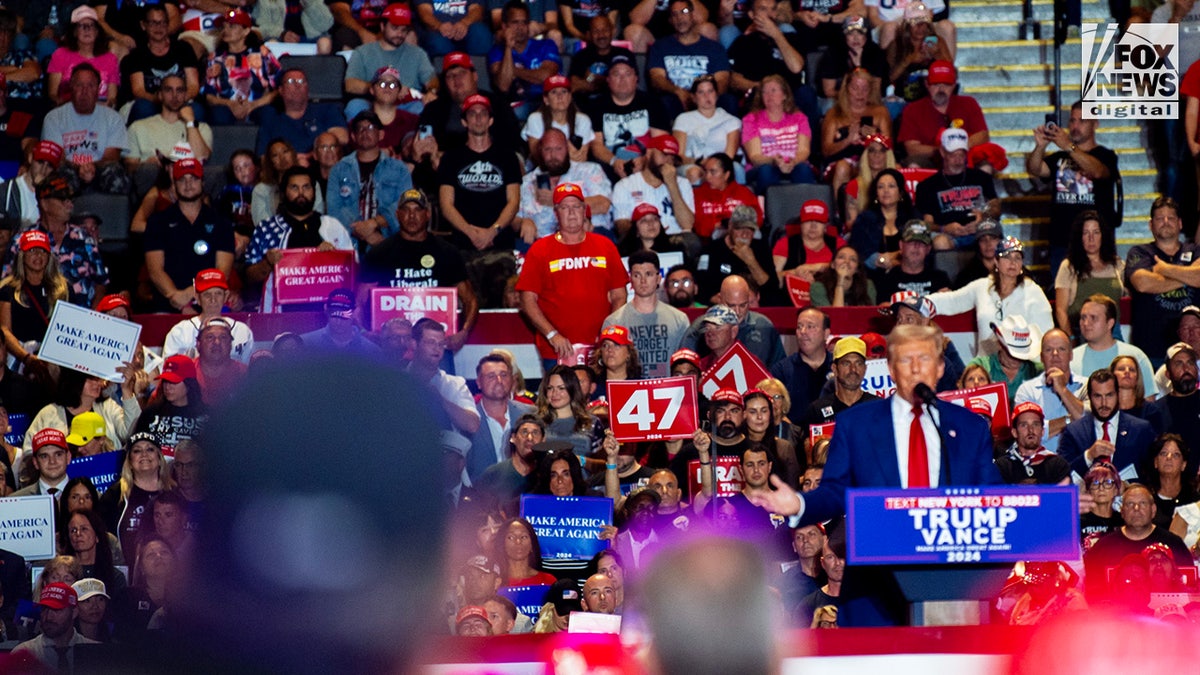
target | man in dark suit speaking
x=895, y=442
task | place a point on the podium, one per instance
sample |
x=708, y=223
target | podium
x=958, y=543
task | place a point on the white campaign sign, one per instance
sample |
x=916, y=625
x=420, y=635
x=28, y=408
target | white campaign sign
x=27, y=526
x=91, y=342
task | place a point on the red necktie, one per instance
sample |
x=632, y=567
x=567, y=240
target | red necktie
x=1106, y=439
x=918, y=453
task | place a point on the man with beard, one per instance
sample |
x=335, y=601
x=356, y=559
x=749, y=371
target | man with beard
x=725, y=417
x=296, y=225
x=493, y=442
x=55, y=648
x=505, y=482
x=185, y=239
x=1028, y=461
x=479, y=184
x=658, y=184
x=1056, y=390
x=958, y=198
x=413, y=258
x=682, y=287
x=1105, y=432
x=919, y=131
x=457, y=405
x=655, y=327
x=535, y=217
x=849, y=368
x=417, y=78
x=1179, y=411
x=218, y=373
x=756, y=523
x=156, y=136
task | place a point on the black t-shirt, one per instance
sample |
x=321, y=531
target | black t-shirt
x=154, y=68
x=27, y=322
x=1050, y=471
x=679, y=463
x=444, y=116
x=401, y=263
x=718, y=261
x=621, y=125
x=836, y=63
x=950, y=199
x=925, y=282
x=306, y=232
x=755, y=56
x=187, y=247
x=479, y=180
x=1074, y=192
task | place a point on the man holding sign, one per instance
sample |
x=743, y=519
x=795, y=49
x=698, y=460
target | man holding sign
x=411, y=258
x=570, y=281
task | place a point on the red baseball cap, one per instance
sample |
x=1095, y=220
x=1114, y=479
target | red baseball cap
x=110, y=302
x=618, y=334
x=727, y=396
x=178, y=368
x=556, y=82
x=1027, y=406
x=476, y=99
x=398, y=14
x=470, y=612
x=665, y=143
x=814, y=209
x=188, y=166
x=942, y=72
x=642, y=210
x=58, y=596
x=48, y=151
x=686, y=355
x=876, y=345
x=564, y=190
x=978, y=405
x=210, y=278
x=234, y=16
x=457, y=60
x=49, y=436
x=35, y=239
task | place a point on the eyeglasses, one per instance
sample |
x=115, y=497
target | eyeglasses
x=1106, y=483
x=296, y=80
x=388, y=85
x=685, y=283
x=327, y=147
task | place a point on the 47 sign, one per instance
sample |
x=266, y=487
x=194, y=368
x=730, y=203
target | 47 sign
x=736, y=369
x=653, y=410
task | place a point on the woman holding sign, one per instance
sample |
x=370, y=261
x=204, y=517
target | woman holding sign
x=79, y=393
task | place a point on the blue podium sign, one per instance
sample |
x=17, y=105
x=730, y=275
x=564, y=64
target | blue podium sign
x=568, y=528
x=961, y=525
x=528, y=599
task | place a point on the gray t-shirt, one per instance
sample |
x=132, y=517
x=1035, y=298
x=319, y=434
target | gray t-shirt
x=412, y=62
x=85, y=137
x=656, y=335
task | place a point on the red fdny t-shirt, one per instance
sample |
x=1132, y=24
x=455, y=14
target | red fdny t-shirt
x=572, y=283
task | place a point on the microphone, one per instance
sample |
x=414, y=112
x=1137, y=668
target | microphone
x=926, y=394
x=929, y=398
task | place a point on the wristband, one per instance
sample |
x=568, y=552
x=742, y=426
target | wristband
x=613, y=161
x=551, y=334
x=190, y=125
x=610, y=467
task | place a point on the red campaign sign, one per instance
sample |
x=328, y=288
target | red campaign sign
x=308, y=275
x=995, y=395
x=413, y=303
x=798, y=291
x=729, y=476
x=653, y=410
x=737, y=369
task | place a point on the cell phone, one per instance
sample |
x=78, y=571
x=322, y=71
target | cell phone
x=866, y=121
x=1051, y=121
x=543, y=182
x=424, y=131
x=577, y=141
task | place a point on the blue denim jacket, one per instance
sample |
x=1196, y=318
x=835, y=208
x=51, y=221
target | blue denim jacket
x=341, y=196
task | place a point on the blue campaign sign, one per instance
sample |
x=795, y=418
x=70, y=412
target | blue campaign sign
x=528, y=599
x=962, y=525
x=18, y=424
x=568, y=528
x=104, y=469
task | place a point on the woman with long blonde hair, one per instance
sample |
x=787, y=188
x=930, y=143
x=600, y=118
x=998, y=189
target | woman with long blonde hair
x=28, y=296
x=856, y=115
x=144, y=475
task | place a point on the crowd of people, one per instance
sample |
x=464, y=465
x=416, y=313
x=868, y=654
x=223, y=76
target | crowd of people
x=600, y=200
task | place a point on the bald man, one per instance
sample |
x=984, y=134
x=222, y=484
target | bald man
x=755, y=331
